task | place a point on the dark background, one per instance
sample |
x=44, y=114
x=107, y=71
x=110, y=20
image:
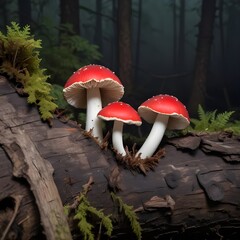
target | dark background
x=154, y=46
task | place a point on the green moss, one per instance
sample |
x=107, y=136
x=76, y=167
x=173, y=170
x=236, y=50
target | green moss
x=19, y=58
x=82, y=211
x=87, y=217
x=130, y=215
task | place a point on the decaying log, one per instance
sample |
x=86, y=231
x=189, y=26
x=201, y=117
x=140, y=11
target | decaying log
x=191, y=194
x=28, y=163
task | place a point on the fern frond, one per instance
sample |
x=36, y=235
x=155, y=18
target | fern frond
x=221, y=121
x=201, y=113
x=202, y=123
x=212, y=116
x=234, y=127
x=211, y=121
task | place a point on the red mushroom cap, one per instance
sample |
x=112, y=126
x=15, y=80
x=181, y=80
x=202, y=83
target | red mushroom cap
x=121, y=112
x=92, y=76
x=165, y=105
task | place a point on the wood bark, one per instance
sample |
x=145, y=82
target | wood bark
x=4, y=13
x=174, y=46
x=28, y=163
x=114, y=39
x=181, y=38
x=138, y=39
x=193, y=193
x=98, y=36
x=25, y=12
x=204, y=43
x=124, y=43
x=69, y=13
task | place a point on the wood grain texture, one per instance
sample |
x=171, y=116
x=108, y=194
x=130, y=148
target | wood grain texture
x=191, y=194
x=28, y=164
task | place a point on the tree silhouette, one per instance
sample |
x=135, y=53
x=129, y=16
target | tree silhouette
x=25, y=12
x=204, y=42
x=124, y=44
x=69, y=13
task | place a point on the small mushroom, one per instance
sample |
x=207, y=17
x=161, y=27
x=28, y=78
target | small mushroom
x=91, y=87
x=164, y=111
x=120, y=113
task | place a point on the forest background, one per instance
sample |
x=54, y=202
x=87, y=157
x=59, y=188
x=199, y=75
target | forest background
x=189, y=49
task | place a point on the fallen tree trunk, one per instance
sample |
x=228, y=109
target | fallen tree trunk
x=28, y=163
x=193, y=193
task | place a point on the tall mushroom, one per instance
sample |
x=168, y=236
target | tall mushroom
x=91, y=87
x=163, y=111
x=120, y=113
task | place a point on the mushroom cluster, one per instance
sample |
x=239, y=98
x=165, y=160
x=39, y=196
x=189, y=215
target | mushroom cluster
x=99, y=90
x=91, y=87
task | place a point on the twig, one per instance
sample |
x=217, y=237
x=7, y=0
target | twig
x=87, y=187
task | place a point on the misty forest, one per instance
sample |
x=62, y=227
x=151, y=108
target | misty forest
x=185, y=48
x=69, y=169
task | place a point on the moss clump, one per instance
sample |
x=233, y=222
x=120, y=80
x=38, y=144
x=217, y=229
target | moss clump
x=19, y=60
x=83, y=210
x=85, y=218
x=130, y=215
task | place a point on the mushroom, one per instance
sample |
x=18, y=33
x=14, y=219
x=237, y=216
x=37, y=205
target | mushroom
x=120, y=113
x=164, y=111
x=91, y=87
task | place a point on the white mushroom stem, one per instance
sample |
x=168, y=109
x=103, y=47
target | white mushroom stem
x=117, y=138
x=94, y=105
x=154, y=138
